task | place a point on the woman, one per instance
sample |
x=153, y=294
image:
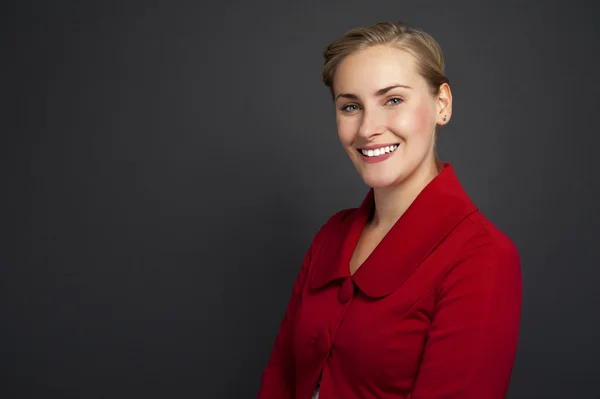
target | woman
x=414, y=294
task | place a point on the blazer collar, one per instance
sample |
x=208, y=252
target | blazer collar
x=436, y=211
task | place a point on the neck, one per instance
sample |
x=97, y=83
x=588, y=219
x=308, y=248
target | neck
x=392, y=202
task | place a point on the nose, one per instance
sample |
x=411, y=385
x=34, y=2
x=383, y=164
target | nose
x=370, y=125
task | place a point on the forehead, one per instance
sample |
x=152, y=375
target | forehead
x=375, y=67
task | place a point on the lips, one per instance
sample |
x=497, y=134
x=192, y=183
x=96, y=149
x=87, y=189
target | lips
x=377, y=150
x=377, y=153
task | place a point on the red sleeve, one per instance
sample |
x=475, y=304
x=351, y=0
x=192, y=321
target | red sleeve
x=278, y=378
x=472, y=341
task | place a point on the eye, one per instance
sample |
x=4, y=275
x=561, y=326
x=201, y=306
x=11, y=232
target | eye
x=349, y=107
x=394, y=101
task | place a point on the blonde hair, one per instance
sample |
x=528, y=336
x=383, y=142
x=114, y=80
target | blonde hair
x=425, y=50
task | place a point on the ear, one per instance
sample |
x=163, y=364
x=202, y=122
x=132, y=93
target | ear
x=444, y=104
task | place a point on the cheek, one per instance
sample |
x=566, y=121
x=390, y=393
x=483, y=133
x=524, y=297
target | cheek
x=424, y=117
x=346, y=131
x=416, y=121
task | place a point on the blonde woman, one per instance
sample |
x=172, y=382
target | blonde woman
x=413, y=294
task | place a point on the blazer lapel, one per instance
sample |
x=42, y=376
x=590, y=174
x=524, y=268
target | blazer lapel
x=436, y=211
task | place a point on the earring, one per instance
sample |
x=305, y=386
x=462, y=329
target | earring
x=444, y=118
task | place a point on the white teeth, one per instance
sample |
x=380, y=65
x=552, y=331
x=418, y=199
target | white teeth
x=379, y=151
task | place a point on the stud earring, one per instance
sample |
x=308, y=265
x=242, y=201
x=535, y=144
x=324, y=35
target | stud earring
x=444, y=118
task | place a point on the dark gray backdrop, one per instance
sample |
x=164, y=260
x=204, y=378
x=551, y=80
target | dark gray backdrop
x=167, y=165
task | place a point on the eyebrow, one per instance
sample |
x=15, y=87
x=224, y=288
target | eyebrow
x=378, y=93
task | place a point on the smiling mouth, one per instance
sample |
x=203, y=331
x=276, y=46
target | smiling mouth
x=379, y=151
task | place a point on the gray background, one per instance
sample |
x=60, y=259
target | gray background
x=167, y=165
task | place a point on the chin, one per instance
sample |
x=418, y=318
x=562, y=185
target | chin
x=381, y=181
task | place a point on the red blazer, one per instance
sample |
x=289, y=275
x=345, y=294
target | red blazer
x=433, y=313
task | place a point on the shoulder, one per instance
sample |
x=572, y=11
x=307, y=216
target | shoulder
x=335, y=225
x=487, y=239
x=340, y=217
x=488, y=255
x=338, y=220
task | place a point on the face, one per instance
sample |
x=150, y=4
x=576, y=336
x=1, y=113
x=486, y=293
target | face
x=386, y=115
